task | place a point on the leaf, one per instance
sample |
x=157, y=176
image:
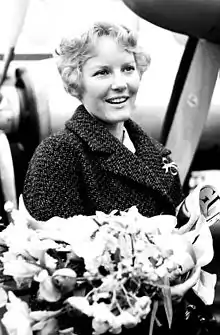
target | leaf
x=153, y=316
x=117, y=255
x=167, y=300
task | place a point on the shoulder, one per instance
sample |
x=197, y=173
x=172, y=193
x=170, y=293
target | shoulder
x=159, y=147
x=59, y=151
x=58, y=143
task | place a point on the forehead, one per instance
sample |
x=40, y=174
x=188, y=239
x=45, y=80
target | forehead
x=106, y=51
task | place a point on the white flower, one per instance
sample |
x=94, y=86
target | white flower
x=164, y=223
x=37, y=247
x=142, y=307
x=104, y=319
x=46, y=327
x=128, y=320
x=80, y=303
x=161, y=271
x=121, y=251
x=3, y=297
x=49, y=262
x=47, y=290
x=67, y=331
x=100, y=327
x=17, y=320
x=42, y=315
x=115, y=330
x=115, y=326
x=10, y=235
x=204, y=255
x=109, y=284
x=64, y=280
x=17, y=267
x=74, y=230
x=101, y=312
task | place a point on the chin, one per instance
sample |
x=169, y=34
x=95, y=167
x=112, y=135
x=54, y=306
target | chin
x=120, y=115
x=117, y=120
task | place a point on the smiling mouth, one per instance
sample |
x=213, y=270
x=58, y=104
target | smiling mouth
x=117, y=101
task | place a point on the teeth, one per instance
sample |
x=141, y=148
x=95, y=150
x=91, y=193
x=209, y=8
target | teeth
x=117, y=100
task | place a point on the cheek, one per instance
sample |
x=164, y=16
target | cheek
x=134, y=83
x=95, y=89
x=134, y=86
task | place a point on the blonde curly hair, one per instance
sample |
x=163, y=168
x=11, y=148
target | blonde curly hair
x=73, y=53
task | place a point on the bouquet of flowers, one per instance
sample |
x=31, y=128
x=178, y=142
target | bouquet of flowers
x=106, y=271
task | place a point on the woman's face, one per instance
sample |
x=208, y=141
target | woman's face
x=110, y=81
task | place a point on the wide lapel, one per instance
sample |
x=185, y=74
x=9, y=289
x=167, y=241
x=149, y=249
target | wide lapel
x=114, y=157
x=91, y=131
x=144, y=167
x=151, y=158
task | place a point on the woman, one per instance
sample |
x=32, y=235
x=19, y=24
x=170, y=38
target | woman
x=102, y=160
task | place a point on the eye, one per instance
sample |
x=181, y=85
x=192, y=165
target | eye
x=128, y=68
x=103, y=72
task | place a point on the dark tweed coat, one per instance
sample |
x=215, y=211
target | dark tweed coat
x=83, y=168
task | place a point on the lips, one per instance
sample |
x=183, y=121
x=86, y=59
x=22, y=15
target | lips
x=117, y=100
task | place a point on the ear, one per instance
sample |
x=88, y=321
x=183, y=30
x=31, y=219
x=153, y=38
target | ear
x=74, y=85
x=73, y=90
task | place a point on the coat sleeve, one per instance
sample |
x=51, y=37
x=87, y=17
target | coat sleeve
x=52, y=185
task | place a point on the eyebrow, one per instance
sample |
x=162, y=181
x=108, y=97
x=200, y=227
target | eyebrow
x=100, y=67
x=105, y=66
x=130, y=63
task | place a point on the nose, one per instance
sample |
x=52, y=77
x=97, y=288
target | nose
x=119, y=82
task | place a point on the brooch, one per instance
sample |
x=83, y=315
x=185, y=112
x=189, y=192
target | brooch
x=169, y=166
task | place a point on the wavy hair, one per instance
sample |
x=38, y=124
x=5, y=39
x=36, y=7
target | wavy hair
x=73, y=53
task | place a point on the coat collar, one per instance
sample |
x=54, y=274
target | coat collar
x=144, y=167
x=92, y=131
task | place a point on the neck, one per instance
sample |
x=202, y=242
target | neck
x=116, y=130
